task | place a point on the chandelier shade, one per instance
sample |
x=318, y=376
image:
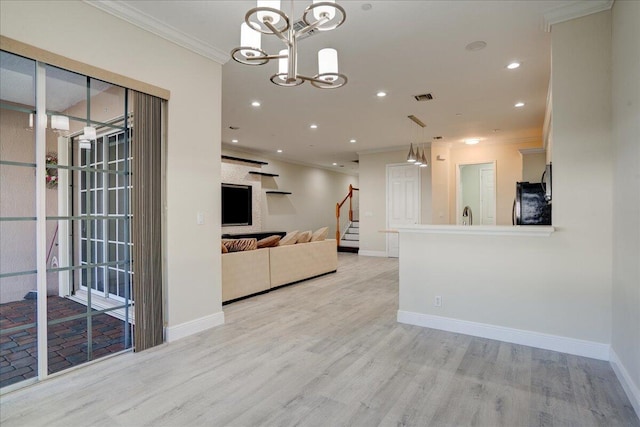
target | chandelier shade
x=267, y=18
x=411, y=157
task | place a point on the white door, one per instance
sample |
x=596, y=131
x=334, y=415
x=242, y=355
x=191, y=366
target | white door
x=487, y=197
x=403, y=201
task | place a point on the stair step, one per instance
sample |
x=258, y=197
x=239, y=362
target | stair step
x=355, y=224
x=348, y=236
x=353, y=230
x=350, y=243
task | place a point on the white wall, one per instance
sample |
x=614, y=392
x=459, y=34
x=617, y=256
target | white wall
x=625, y=339
x=558, y=285
x=312, y=204
x=373, y=196
x=84, y=33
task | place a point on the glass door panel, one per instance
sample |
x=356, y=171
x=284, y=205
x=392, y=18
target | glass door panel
x=18, y=279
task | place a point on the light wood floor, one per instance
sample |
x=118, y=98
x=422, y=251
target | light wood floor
x=329, y=352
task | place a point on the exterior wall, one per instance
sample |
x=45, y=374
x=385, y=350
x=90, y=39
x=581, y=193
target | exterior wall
x=193, y=284
x=18, y=196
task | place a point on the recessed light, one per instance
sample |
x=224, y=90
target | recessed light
x=381, y=94
x=334, y=164
x=353, y=141
x=255, y=104
x=471, y=141
x=519, y=104
x=235, y=141
x=313, y=127
x=513, y=65
x=279, y=151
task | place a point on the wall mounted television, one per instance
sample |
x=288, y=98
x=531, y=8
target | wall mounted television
x=236, y=204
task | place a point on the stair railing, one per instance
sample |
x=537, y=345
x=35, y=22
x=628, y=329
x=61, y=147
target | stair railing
x=339, y=206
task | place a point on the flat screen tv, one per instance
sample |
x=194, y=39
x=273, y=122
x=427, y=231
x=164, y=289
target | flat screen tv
x=236, y=204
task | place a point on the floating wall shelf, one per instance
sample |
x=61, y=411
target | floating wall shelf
x=263, y=173
x=240, y=159
x=278, y=192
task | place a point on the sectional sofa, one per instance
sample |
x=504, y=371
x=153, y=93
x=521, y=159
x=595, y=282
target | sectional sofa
x=257, y=271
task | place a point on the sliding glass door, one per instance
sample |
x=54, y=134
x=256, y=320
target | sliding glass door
x=65, y=220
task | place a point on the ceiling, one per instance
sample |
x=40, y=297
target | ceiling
x=404, y=48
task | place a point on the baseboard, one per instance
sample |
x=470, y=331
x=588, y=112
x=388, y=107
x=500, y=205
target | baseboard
x=173, y=333
x=382, y=254
x=574, y=346
x=631, y=389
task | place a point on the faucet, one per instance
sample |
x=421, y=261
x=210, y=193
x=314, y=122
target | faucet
x=466, y=212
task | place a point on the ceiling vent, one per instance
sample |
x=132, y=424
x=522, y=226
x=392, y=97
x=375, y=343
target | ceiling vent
x=437, y=138
x=298, y=25
x=423, y=97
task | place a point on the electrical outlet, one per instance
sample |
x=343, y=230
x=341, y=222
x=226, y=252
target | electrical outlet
x=437, y=301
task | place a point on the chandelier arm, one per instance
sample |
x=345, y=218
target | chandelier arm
x=313, y=79
x=276, y=32
x=261, y=58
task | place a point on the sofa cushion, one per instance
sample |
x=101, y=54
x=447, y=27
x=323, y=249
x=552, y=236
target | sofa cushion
x=290, y=239
x=224, y=248
x=304, y=237
x=320, y=234
x=269, y=242
x=238, y=245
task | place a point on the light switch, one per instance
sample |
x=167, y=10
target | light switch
x=200, y=218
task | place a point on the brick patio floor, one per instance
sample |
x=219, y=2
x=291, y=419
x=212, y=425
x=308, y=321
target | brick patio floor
x=67, y=341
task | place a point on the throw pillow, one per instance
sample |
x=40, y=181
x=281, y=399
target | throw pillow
x=224, y=248
x=238, y=245
x=290, y=239
x=320, y=234
x=304, y=237
x=269, y=242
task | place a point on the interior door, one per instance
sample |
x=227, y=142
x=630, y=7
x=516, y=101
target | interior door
x=487, y=196
x=403, y=201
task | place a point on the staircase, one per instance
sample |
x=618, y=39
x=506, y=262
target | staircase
x=350, y=241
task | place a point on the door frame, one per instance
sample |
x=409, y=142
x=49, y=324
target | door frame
x=459, y=207
x=388, y=194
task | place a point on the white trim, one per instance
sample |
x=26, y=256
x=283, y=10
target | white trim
x=487, y=230
x=568, y=345
x=575, y=9
x=381, y=254
x=148, y=23
x=41, y=219
x=173, y=333
x=459, y=207
x=631, y=389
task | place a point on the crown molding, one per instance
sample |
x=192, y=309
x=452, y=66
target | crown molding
x=525, y=151
x=161, y=29
x=574, y=9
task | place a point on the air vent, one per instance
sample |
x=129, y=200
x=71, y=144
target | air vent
x=356, y=161
x=437, y=138
x=299, y=25
x=423, y=97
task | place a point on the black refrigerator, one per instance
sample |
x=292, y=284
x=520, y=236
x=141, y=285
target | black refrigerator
x=530, y=206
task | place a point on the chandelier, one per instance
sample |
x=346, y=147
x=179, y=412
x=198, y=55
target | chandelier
x=267, y=18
